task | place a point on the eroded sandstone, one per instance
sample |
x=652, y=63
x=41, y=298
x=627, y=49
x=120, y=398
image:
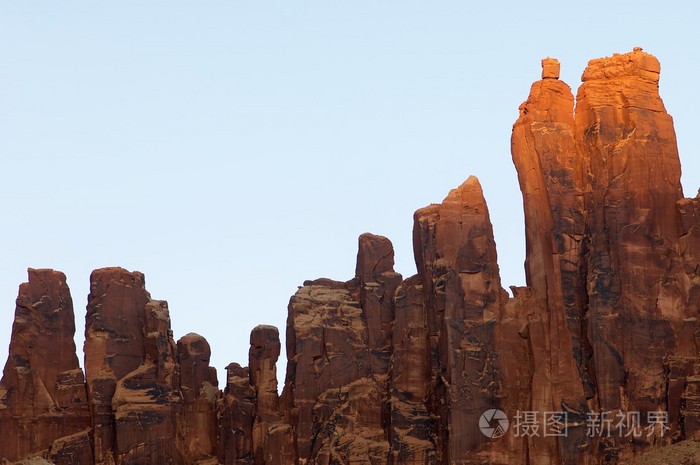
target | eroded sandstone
x=42, y=391
x=386, y=370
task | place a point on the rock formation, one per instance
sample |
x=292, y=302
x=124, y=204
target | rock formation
x=595, y=361
x=43, y=400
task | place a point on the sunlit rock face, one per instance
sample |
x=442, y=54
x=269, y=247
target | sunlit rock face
x=607, y=245
x=440, y=368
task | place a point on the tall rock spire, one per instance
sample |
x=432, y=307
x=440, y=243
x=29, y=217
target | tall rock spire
x=637, y=313
x=456, y=257
x=42, y=391
x=550, y=174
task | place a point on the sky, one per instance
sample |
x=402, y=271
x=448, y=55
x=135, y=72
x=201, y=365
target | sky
x=230, y=150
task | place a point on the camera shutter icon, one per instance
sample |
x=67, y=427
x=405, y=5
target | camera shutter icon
x=493, y=423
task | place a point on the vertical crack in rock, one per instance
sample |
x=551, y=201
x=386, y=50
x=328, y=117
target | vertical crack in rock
x=638, y=316
x=550, y=171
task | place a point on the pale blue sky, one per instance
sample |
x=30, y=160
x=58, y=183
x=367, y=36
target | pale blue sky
x=230, y=150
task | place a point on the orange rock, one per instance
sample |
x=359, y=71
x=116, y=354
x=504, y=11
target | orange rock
x=550, y=172
x=387, y=371
x=637, y=289
x=550, y=68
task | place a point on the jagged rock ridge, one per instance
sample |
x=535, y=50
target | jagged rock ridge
x=387, y=370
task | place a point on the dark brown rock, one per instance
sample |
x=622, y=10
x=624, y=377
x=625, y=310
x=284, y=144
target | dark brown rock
x=114, y=347
x=147, y=401
x=329, y=376
x=152, y=401
x=42, y=391
x=378, y=282
x=199, y=385
x=273, y=438
x=236, y=413
x=375, y=255
x=412, y=433
x=339, y=347
x=456, y=257
x=73, y=449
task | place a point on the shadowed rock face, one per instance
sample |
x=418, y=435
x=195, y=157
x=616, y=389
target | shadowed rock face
x=339, y=346
x=385, y=370
x=456, y=258
x=42, y=392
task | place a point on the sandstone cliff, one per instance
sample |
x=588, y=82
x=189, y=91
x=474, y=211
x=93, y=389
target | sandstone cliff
x=595, y=361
